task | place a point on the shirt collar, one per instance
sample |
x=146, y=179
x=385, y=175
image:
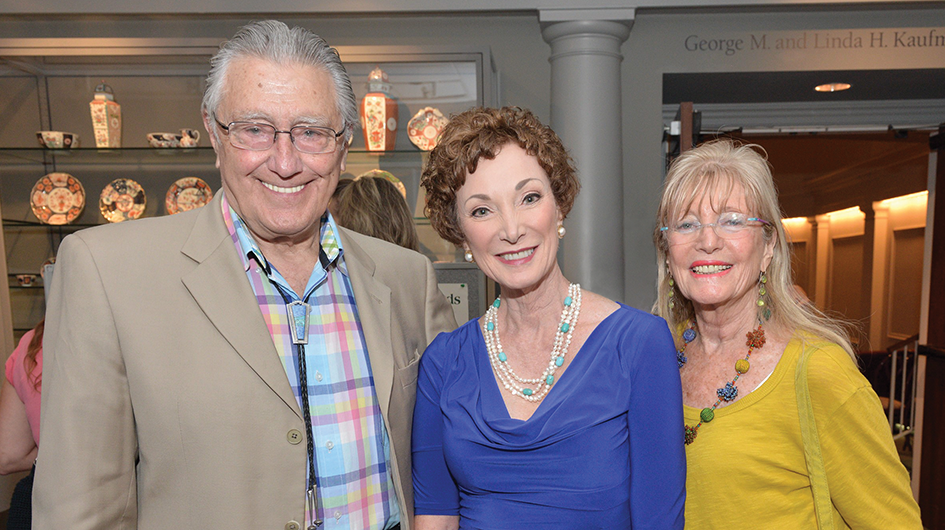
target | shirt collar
x=330, y=249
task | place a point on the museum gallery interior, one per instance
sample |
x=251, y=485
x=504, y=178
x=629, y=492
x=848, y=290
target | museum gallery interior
x=100, y=123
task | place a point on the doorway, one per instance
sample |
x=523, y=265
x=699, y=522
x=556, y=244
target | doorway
x=853, y=174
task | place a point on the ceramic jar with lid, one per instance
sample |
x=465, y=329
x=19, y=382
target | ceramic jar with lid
x=379, y=113
x=106, y=117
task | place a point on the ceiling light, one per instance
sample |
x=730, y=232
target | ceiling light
x=832, y=87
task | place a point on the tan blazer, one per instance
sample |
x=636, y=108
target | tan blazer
x=165, y=404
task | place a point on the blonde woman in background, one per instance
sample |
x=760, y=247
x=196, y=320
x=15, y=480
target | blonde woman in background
x=724, y=277
x=374, y=206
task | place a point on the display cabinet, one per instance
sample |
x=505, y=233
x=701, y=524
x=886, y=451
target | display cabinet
x=29, y=243
x=159, y=83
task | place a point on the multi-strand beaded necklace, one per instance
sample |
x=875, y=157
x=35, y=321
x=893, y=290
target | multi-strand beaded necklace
x=532, y=389
x=756, y=339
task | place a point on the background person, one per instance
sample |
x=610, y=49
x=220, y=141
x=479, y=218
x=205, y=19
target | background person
x=554, y=410
x=724, y=276
x=248, y=364
x=19, y=421
x=373, y=206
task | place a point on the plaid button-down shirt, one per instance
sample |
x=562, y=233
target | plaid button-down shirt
x=352, y=449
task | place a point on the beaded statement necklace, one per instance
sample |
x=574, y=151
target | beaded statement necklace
x=532, y=389
x=756, y=339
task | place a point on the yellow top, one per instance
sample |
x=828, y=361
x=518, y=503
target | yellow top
x=746, y=468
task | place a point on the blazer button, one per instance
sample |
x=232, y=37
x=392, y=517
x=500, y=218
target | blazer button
x=292, y=525
x=294, y=436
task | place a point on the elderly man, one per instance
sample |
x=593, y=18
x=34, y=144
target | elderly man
x=248, y=364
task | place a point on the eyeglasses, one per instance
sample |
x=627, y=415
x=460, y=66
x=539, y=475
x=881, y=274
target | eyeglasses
x=728, y=225
x=310, y=139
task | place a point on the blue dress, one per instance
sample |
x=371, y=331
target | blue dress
x=603, y=450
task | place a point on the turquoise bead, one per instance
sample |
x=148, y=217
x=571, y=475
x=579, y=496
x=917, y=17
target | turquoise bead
x=490, y=326
x=559, y=360
x=567, y=301
x=527, y=391
x=496, y=303
x=503, y=357
x=550, y=380
x=565, y=327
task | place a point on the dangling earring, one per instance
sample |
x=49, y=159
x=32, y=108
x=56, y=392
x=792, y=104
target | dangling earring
x=671, y=302
x=468, y=256
x=762, y=294
x=561, y=231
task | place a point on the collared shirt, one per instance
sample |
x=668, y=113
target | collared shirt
x=352, y=449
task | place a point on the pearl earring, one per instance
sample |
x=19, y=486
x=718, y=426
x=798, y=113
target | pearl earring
x=468, y=256
x=561, y=231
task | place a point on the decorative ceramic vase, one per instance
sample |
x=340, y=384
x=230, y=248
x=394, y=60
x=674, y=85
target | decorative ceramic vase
x=379, y=113
x=106, y=118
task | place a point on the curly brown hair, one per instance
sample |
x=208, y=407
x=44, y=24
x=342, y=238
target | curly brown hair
x=482, y=132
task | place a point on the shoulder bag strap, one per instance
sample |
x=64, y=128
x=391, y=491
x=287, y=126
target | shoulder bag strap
x=815, y=460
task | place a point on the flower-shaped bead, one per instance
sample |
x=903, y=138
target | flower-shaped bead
x=728, y=393
x=756, y=339
x=690, y=435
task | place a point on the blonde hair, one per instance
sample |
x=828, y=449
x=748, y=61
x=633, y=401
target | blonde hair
x=713, y=171
x=374, y=206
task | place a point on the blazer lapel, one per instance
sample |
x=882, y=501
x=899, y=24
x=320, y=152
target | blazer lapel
x=219, y=286
x=373, y=300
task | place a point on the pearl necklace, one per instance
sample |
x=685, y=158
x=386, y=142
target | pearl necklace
x=532, y=389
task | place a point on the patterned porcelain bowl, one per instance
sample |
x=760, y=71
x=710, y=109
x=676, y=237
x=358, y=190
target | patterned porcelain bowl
x=57, y=139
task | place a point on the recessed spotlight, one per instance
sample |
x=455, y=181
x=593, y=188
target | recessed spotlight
x=832, y=87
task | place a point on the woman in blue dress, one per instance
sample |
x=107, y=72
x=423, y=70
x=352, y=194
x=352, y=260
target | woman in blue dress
x=559, y=408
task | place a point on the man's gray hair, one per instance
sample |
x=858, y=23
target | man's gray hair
x=274, y=41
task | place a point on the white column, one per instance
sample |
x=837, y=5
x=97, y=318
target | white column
x=880, y=276
x=586, y=114
x=823, y=262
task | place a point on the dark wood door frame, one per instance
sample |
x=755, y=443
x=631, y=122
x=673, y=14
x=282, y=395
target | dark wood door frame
x=932, y=460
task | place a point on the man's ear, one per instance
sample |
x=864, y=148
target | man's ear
x=210, y=126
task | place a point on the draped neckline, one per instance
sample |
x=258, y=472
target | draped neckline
x=491, y=394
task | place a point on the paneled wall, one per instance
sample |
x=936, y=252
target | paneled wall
x=834, y=258
x=899, y=243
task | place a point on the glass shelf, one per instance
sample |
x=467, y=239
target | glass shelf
x=19, y=223
x=149, y=156
x=129, y=155
x=14, y=283
x=415, y=151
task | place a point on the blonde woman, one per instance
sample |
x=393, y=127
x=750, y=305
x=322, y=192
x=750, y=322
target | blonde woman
x=725, y=288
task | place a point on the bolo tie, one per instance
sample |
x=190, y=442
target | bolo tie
x=297, y=312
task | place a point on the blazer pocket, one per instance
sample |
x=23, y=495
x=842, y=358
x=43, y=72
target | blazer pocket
x=408, y=374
